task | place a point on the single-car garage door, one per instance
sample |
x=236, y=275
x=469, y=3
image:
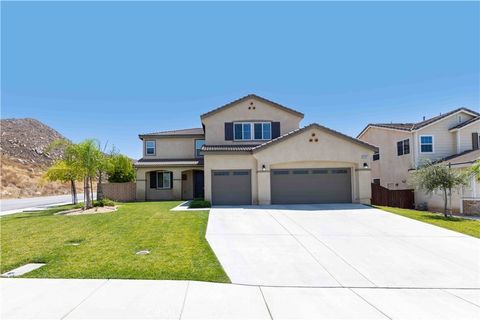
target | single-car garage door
x=231, y=187
x=332, y=185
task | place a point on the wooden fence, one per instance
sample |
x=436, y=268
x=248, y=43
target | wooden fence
x=392, y=198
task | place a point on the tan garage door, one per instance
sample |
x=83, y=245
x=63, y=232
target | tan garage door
x=297, y=186
x=231, y=187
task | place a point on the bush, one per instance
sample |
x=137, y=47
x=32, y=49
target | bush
x=104, y=203
x=121, y=169
x=199, y=203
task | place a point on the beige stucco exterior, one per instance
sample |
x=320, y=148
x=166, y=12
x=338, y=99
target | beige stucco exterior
x=298, y=152
x=463, y=136
x=172, y=147
x=391, y=169
x=215, y=123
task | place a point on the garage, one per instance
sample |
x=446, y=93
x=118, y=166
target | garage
x=322, y=185
x=231, y=187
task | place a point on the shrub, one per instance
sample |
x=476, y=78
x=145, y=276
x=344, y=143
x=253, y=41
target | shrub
x=199, y=203
x=104, y=203
x=120, y=169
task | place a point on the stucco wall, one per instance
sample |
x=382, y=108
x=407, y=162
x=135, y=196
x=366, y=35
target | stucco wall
x=172, y=148
x=391, y=169
x=297, y=152
x=444, y=141
x=465, y=137
x=215, y=124
x=144, y=192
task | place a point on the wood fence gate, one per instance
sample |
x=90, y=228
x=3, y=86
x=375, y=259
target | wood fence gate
x=382, y=196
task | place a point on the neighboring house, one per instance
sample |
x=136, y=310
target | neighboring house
x=253, y=151
x=452, y=137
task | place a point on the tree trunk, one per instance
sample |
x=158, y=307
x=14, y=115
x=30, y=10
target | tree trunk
x=450, y=199
x=91, y=189
x=74, y=192
x=88, y=202
x=99, y=187
x=445, y=203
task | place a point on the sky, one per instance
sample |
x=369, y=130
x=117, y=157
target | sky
x=113, y=70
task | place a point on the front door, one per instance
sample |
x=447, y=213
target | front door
x=198, y=185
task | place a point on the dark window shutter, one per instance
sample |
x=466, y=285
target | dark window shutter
x=228, y=131
x=474, y=140
x=275, y=130
x=171, y=180
x=153, y=180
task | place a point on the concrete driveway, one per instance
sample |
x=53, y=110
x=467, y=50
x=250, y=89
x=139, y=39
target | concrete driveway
x=344, y=245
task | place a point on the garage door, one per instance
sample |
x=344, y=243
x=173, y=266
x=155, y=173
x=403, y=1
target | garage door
x=332, y=185
x=231, y=187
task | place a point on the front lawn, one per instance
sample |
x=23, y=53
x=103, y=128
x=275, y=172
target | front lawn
x=108, y=243
x=466, y=226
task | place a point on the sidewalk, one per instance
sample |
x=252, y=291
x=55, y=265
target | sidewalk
x=140, y=299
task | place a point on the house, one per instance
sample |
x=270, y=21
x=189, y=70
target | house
x=253, y=151
x=452, y=138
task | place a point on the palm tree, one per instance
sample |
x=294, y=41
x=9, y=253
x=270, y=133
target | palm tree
x=476, y=170
x=88, y=159
x=64, y=172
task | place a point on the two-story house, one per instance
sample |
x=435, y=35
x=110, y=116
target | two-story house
x=253, y=151
x=452, y=137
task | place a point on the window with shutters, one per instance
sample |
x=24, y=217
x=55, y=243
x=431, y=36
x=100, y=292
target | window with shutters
x=161, y=180
x=252, y=131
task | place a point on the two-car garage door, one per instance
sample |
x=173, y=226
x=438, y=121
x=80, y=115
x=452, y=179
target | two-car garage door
x=296, y=186
x=288, y=186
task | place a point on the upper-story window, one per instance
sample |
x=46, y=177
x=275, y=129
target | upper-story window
x=252, y=130
x=426, y=144
x=198, y=146
x=403, y=147
x=376, y=156
x=150, y=147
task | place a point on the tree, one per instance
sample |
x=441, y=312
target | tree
x=431, y=177
x=475, y=170
x=88, y=158
x=64, y=172
x=121, y=169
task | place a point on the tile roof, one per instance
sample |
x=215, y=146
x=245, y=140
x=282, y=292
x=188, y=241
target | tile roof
x=238, y=147
x=251, y=96
x=463, y=124
x=180, y=132
x=418, y=125
x=168, y=162
x=466, y=157
x=314, y=125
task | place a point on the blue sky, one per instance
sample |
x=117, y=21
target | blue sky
x=114, y=70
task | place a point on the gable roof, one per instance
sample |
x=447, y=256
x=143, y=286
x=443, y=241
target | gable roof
x=175, y=133
x=466, y=123
x=251, y=96
x=415, y=126
x=465, y=158
x=317, y=126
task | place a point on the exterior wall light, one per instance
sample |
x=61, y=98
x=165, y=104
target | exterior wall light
x=365, y=165
x=263, y=167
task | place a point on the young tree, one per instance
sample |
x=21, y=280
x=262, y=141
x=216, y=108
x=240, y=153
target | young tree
x=62, y=171
x=88, y=158
x=431, y=177
x=121, y=169
x=475, y=170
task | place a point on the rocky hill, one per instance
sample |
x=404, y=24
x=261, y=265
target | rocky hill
x=24, y=158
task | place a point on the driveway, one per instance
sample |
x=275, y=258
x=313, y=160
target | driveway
x=346, y=245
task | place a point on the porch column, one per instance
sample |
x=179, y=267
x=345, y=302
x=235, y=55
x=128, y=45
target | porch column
x=141, y=181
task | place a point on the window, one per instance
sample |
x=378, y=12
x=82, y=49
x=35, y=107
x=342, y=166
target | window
x=426, y=144
x=198, y=146
x=403, y=147
x=150, y=147
x=164, y=180
x=376, y=181
x=252, y=131
x=376, y=156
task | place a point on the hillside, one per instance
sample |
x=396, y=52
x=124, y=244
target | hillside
x=24, y=159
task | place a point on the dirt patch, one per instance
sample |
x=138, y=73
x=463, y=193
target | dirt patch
x=76, y=212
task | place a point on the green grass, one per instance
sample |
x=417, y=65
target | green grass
x=466, y=226
x=109, y=241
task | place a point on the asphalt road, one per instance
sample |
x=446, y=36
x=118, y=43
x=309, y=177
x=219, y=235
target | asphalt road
x=9, y=205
